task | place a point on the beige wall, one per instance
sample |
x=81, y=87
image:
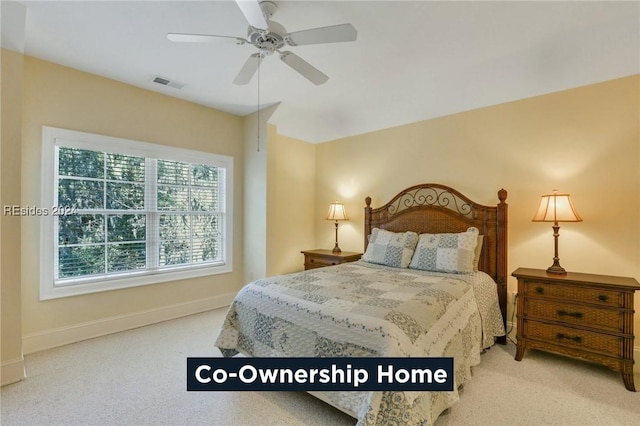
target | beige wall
x=584, y=141
x=255, y=198
x=63, y=97
x=279, y=199
x=291, y=201
x=11, y=360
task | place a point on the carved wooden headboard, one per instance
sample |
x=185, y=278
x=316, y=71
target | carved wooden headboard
x=433, y=208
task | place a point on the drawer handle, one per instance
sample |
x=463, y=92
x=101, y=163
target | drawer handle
x=576, y=339
x=539, y=290
x=564, y=313
x=603, y=297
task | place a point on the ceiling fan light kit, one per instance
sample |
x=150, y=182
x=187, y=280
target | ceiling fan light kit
x=269, y=36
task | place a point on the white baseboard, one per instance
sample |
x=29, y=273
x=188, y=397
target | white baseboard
x=12, y=371
x=48, y=339
x=636, y=349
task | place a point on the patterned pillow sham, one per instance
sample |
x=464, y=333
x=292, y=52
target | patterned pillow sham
x=452, y=253
x=390, y=248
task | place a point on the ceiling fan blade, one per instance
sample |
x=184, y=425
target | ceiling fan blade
x=248, y=69
x=200, y=38
x=253, y=13
x=331, y=34
x=307, y=70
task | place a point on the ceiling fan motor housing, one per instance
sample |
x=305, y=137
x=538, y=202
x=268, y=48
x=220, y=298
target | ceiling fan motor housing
x=270, y=41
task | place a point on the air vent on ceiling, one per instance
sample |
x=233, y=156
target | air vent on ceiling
x=166, y=82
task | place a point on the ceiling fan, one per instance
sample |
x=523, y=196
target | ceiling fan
x=269, y=37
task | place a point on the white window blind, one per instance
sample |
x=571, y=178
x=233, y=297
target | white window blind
x=131, y=210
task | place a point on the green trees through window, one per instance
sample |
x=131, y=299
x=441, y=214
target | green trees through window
x=131, y=213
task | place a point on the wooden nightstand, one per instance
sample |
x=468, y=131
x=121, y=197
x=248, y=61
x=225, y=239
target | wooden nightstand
x=581, y=315
x=319, y=258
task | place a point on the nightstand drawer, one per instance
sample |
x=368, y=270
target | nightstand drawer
x=320, y=258
x=319, y=262
x=602, y=318
x=582, y=294
x=582, y=339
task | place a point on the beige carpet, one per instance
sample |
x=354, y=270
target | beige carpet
x=138, y=378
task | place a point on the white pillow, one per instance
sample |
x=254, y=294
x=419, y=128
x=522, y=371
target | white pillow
x=451, y=253
x=390, y=248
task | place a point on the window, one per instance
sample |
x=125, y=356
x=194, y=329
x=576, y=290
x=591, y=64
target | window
x=120, y=213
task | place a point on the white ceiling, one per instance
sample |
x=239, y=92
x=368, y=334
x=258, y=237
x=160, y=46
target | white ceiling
x=412, y=61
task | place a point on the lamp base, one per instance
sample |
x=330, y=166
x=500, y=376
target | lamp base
x=336, y=249
x=556, y=269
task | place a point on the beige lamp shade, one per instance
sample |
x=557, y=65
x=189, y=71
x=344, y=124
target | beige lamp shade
x=556, y=208
x=337, y=212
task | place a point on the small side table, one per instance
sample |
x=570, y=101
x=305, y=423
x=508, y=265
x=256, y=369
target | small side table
x=320, y=258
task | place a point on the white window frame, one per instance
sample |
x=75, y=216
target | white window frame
x=52, y=137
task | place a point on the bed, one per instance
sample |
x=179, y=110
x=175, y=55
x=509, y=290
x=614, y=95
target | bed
x=415, y=293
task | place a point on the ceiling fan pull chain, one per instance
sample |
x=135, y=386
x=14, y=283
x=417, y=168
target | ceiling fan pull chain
x=258, y=142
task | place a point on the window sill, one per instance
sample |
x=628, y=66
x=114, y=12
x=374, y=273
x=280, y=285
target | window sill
x=77, y=289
